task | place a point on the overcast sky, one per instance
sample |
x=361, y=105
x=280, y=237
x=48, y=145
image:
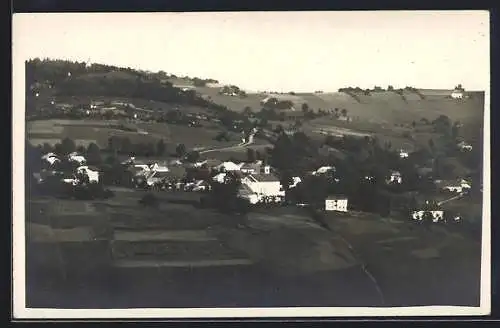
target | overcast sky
x=288, y=51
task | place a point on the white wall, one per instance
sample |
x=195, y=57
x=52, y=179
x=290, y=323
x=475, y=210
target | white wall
x=437, y=215
x=336, y=205
x=265, y=188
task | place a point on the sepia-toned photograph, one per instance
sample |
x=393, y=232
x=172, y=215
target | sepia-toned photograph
x=248, y=164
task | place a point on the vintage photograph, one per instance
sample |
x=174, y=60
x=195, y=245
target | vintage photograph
x=268, y=160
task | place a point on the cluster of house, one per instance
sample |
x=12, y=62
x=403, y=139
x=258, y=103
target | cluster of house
x=81, y=170
x=464, y=146
x=458, y=93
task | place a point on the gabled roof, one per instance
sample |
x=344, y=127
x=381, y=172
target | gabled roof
x=336, y=197
x=249, y=166
x=450, y=183
x=263, y=178
x=230, y=166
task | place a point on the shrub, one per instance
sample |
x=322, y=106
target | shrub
x=149, y=200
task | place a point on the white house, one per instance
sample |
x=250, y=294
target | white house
x=265, y=185
x=324, y=169
x=395, y=177
x=220, y=178
x=464, y=146
x=75, y=157
x=246, y=193
x=159, y=168
x=456, y=186
x=51, y=158
x=336, y=203
x=93, y=174
x=296, y=181
x=458, y=93
x=437, y=215
x=250, y=168
x=228, y=166
x=156, y=177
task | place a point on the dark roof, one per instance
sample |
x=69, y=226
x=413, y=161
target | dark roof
x=333, y=197
x=251, y=166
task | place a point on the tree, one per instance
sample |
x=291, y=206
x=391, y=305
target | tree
x=81, y=149
x=149, y=149
x=305, y=107
x=413, y=124
x=247, y=111
x=431, y=145
x=336, y=111
x=390, y=88
x=279, y=129
x=47, y=148
x=149, y=200
x=180, y=150
x=93, y=154
x=286, y=180
x=344, y=112
x=67, y=146
x=126, y=145
x=160, y=147
x=193, y=156
x=114, y=144
x=455, y=130
x=442, y=124
x=225, y=195
x=251, y=155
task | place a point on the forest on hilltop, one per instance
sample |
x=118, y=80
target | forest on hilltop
x=68, y=78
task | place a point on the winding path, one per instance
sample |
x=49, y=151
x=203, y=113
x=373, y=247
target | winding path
x=238, y=146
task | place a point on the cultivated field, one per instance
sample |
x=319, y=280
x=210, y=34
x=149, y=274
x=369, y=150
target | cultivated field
x=84, y=132
x=414, y=265
x=273, y=257
x=266, y=259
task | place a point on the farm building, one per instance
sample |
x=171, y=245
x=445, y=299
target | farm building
x=158, y=167
x=429, y=210
x=436, y=215
x=75, y=157
x=265, y=185
x=157, y=177
x=91, y=172
x=324, y=170
x=403, y=153
x=245, y=192
x=456, y=186
x=228, y=166
x=250, y=168
x=51, y=158
x=464, y=146
x=458, y=93
x=220, y=178
x=295, y=182
x=336, y=203
x=395, y=177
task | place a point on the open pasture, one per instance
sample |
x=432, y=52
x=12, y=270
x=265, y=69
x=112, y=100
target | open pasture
x=432, y=262
x=84, y=132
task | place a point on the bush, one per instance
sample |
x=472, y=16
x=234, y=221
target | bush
x=149, y=200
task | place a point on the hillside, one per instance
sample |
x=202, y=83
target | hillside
x=160, y=91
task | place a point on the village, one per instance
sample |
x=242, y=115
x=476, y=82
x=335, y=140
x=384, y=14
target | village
x=197, y=177
x=258, y=182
